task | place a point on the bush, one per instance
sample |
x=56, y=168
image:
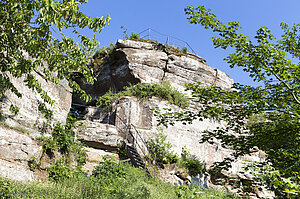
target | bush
x=184, y=50
x=134, y=36
x=63, y=137
x=191, y=163
x=60, y=171
x=160, y=150
x=49, y=145
x=105, y=51
x=194, y=166
x=109, y=169
x=274, y=180
x=102, y=54
x=63, y=141
x=106, y=100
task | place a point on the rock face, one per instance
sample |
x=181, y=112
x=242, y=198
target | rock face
x=132, y=62
x=16, y=149
x=135, y=61
x=17, y=132
x=94, y=156
x=29, y=117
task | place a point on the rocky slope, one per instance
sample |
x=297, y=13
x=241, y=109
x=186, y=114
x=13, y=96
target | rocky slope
x=18, y=133
x=29, y=117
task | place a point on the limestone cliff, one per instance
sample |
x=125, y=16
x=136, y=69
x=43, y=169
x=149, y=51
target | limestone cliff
x=102, y=130
x=136, y=61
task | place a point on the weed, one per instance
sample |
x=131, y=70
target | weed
x=134, y=184
x=134, y=36
x=103, y=54
x=34, y=164
x=184, y=50
x=60, y=171
x=109, y=168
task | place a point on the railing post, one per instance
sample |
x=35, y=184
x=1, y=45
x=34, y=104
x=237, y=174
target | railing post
x=149, y=34
x=167, y=40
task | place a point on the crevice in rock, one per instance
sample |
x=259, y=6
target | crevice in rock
x=216, y=76
x=102, y=146
x=165, y=70
x=165, y=50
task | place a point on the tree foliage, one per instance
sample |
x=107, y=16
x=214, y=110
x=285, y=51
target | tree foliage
x=28, y=44
x=267, y=116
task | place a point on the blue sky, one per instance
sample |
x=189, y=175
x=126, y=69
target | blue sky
x=168, y=17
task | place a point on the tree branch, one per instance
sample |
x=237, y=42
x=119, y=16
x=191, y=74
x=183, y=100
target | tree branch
x=286, y=85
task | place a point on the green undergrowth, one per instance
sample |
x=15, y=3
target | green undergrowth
x=145, y=90
x=65, y=154
x=160, y=153
x=111, y=180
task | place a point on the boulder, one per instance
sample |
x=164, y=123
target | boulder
x=94, y=156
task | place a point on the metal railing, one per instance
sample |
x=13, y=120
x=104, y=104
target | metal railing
x=151, y=34
x=127, y=131
x=134, y=140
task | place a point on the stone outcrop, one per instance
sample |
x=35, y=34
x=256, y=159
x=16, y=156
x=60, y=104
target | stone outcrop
x=18, y=147
x=94, y=156
x=135, y=61
x=132, y=62
x=102, y=132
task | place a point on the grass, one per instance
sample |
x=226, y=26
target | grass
x=133, y=183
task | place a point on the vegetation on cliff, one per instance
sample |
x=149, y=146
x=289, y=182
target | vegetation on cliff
x=145, y=90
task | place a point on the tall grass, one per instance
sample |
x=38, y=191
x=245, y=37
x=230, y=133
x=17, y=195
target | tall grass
x=133, y=184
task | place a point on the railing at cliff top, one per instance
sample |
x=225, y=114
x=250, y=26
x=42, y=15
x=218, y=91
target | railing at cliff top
x=151, y=34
